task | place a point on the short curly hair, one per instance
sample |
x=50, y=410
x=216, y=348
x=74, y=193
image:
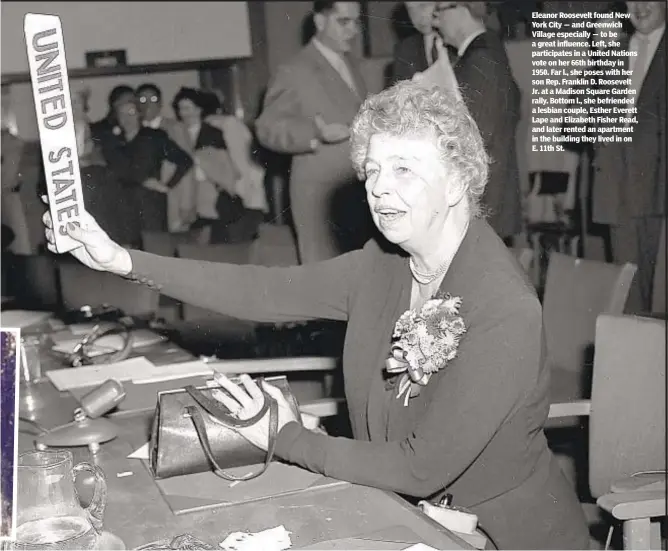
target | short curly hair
x=410, y=109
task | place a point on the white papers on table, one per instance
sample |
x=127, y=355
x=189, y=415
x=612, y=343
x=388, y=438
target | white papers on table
x=175, y=371
x=92, y=375
x=22, y=318
x=82, y=329
x=140, y=453
x=138, y=370
x=420, y=547
x=273, y=539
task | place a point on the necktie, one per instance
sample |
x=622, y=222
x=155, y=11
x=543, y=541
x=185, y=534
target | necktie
x=345, y=74
x=639, y=64
x=434, y=51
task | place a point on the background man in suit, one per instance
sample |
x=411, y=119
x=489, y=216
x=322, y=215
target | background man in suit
x=417, y=52
x=307, y=111
x=491, y=93
x=629, y=184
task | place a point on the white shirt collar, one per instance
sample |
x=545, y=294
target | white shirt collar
x=155, y=123
x=652, y=38
x=464, y=45
x=429, y=40
x=330, y=55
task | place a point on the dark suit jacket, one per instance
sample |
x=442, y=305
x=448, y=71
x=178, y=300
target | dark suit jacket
x=409, y=58
x=304, y=87
x=630, y=177
x=491, y=93
x=475, y=429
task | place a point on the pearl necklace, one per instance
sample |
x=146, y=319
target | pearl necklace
x=426, y=278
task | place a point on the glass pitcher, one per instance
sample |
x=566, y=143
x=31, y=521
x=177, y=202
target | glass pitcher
x=50, y=515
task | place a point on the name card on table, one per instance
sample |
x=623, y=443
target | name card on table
x=53, y=106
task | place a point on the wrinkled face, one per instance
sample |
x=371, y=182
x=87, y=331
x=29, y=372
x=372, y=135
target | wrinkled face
x=150, y=104
x=190, y=113
x=408, y=189
x=127, y=116
x=421, y=15
x=338, y=27
x=647, y=16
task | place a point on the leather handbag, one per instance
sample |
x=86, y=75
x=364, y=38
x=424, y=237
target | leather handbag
x=193, y=432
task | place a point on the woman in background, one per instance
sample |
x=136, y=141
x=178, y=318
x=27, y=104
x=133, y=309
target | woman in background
x=136, y=160
x=244, y=152
x=215, y=174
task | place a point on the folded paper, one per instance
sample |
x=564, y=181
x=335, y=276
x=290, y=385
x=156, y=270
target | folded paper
x=273, y=539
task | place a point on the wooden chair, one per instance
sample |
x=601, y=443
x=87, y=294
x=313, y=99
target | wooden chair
x=81, y=286
x=577, y=291
x=627, y=425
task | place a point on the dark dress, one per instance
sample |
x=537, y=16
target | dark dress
x=133, y=162
x=476, y=430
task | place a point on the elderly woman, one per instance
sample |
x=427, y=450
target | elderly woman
x=468, y=420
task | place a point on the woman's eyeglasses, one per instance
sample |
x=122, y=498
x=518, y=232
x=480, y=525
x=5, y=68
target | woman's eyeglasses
x=152, y=99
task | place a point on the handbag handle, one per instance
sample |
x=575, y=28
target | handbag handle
x=213, y=408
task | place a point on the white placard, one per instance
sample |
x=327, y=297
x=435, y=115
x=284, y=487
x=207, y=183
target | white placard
x=53, y=107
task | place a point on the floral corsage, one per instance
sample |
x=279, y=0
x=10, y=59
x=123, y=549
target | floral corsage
x=424, y=341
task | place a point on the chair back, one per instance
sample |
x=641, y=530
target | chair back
x=577, y=291
x=81, y=286
x=627, y=427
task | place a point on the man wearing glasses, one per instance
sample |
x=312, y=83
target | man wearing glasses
x=150, y=107
x=419, y=51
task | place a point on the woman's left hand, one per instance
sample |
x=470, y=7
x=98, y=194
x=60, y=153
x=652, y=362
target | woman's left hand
x=246, y=400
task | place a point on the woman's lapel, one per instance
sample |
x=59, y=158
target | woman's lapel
x=460, y=281
x=389, y=297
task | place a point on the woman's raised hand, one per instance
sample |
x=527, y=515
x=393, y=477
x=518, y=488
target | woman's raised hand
x=97, y=250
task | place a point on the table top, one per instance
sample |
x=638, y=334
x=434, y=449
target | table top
x=138, y=514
